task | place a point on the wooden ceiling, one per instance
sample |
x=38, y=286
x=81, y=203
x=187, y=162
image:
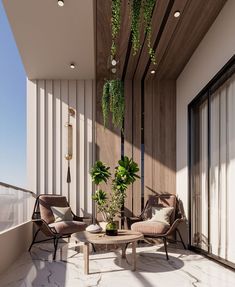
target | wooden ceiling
x=174, y=39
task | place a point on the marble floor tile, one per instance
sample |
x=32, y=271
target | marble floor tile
x=108, y=269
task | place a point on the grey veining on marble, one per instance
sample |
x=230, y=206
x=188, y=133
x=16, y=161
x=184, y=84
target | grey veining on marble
x=108, y=269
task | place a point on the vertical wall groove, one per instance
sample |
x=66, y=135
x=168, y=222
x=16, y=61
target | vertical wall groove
x=47, y=108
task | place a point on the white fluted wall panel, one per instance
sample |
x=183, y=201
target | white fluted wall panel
x=47, y=111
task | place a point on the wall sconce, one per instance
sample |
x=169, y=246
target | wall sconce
x=69, y=142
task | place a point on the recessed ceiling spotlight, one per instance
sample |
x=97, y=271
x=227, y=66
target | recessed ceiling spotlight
x=177, y=14
x=72, y=66
x=152, y=72
x=114, y=62
x=60, y=3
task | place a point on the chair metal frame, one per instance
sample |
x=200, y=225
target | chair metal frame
x=179, y=218
x=44, y=227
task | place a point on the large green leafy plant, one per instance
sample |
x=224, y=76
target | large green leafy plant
x=124, y=175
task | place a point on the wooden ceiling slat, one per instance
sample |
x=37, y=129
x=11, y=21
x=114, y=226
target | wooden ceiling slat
x=171, y=25
x=103, y=37
x=158, y=16
x=195, y=22
x=133, y=60
x=179, y=38
x=124, y=36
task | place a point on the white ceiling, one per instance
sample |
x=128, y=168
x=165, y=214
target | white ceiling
x=49, y=37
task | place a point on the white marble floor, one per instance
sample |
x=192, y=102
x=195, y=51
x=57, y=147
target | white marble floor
x=108, y=269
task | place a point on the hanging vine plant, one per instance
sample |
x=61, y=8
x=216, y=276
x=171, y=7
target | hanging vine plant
x=140, y=9
x=113, y=101
x=135, y=25
x=116, y=24
x=148, y=10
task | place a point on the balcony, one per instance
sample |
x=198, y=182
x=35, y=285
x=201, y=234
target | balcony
x=174, y=91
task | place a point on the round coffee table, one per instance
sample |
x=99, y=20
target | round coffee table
x=124, y=237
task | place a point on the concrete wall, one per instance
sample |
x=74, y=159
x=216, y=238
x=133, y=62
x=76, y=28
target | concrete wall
x=13, y=242
x=47, y=113
x=216, y=48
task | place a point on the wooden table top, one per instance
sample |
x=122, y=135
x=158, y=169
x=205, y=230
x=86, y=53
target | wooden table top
x=124, y=236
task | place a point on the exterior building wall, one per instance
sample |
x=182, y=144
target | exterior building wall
x=13, y=243
x=47, y=113
x=214, y=51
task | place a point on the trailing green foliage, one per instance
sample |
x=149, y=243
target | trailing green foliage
x=140, y=9
x=113, y=101
x=124, y=175
x=106, y=102
x=135, y=25
x=148, y=10
x=116, y=23
x=117, y=102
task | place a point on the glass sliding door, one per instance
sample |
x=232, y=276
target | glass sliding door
x=199, y=187
x=212, y=169
x=222, y=171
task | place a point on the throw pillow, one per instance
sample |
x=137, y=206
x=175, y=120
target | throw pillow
x=62, y=213
x=162, y=214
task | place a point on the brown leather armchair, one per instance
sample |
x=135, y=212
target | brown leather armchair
x=156, y=229
x=44, y=219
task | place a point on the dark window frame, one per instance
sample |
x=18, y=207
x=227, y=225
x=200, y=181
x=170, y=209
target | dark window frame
x=205, y=94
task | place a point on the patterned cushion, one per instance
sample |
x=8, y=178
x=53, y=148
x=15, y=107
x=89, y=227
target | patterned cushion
x=68, y=227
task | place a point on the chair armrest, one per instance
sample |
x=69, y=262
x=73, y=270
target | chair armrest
x=174, y=225
x=131, y=220
x=44, y=227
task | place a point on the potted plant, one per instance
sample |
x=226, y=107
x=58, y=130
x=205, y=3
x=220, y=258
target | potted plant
x=109, y=206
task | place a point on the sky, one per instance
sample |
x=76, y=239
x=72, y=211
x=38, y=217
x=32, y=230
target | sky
x=12, y=108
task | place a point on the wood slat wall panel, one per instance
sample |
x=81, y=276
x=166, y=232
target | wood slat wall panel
x=164, y=137
x=137, y=144
x=175, y=41
x=149, y=129
x=128, y=140
x=108, y=141
x=88, y=142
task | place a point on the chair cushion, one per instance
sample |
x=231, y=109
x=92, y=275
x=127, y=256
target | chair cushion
x=151, y=228
x=68, y=227
x=161, y=200
x=45, y=203
x=62, y=213
x=162, y=214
